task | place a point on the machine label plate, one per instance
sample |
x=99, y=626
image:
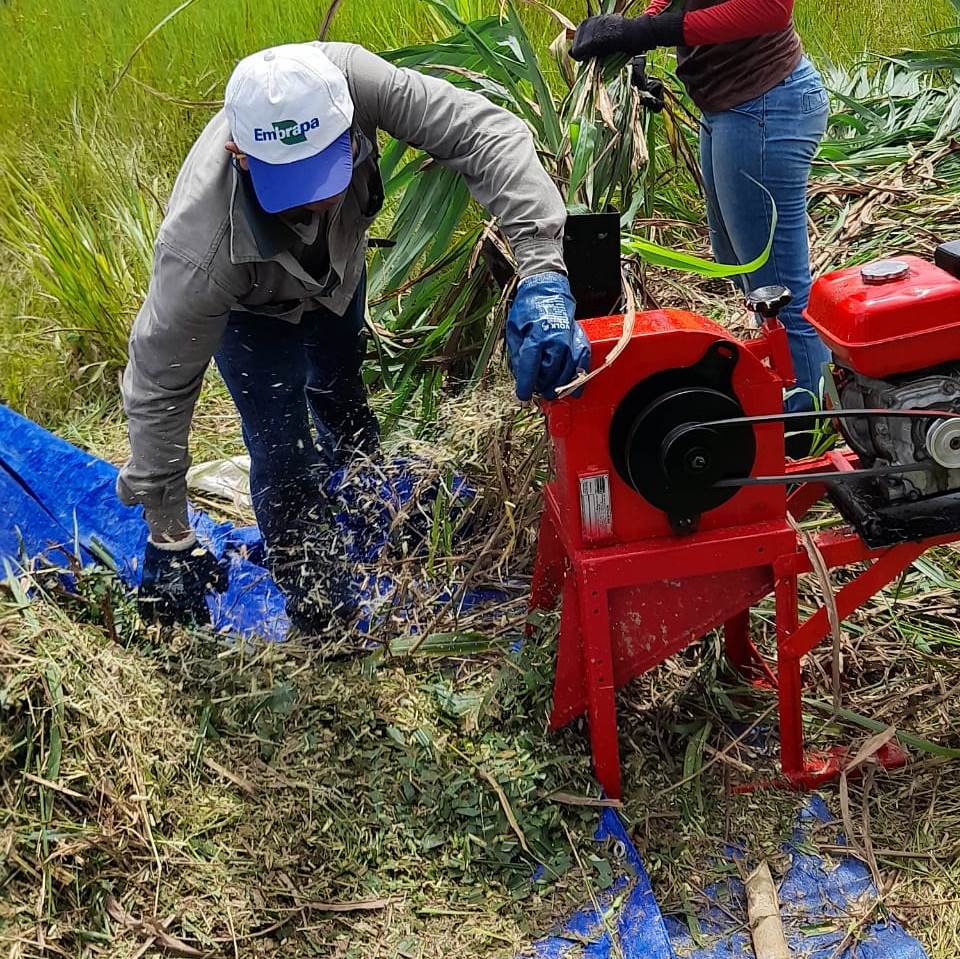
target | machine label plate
x=596, y=515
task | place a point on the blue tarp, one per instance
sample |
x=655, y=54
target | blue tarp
x=57, y=501
x=55, y=497
x=628, y=909
x=819, y=903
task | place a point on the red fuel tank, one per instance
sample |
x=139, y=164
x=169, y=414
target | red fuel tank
x=889, y=317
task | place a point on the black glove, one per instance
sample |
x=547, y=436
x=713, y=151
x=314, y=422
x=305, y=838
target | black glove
x=611, y=33
x=651, y=89
x=174, y=584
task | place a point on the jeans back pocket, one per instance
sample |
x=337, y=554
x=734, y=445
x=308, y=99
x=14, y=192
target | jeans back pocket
x=814, y=101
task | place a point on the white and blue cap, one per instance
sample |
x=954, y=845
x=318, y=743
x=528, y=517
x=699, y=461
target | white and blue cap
x=290, y=112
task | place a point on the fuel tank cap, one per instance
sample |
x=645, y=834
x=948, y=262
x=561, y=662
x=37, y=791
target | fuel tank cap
x=884, y=271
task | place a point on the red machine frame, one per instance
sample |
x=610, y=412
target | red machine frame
x=720, y=568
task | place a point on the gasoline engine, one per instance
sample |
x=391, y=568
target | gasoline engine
x=894, y=328
x=674, y=510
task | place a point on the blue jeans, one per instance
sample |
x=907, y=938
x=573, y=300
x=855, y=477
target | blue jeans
x=303, y=409
x=772, y=139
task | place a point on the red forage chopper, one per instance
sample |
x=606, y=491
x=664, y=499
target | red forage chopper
x=673, y=506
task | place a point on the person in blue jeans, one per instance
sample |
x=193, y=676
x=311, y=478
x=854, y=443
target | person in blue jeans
x=764, y=113
x=773, y=140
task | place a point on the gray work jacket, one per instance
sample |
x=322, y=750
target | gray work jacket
x=217, y=251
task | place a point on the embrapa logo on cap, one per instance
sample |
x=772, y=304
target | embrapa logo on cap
x=287, y=131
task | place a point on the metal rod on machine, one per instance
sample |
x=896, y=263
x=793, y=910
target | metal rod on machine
x=833, y=476
x=845, y=413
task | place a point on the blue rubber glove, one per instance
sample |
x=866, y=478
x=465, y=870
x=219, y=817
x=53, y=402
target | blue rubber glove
x=545, y=344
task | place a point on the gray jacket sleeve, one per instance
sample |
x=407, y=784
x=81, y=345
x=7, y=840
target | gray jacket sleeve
x=174, y=336
x=491, y=148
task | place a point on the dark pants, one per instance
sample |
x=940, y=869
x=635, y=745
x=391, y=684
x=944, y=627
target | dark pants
x=304, y=412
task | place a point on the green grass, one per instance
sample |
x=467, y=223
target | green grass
x=67, y=52
x=841, y=31
x=105, y=150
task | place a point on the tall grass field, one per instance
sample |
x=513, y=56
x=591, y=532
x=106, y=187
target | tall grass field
x=92, y=159
x=64, y=54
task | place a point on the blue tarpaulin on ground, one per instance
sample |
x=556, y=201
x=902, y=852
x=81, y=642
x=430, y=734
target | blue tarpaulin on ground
x=820, y=903
x=59, y=502
x=628, y=914
x=55, y=498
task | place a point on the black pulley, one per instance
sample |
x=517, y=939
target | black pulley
x=665, y=444
x=675, y=464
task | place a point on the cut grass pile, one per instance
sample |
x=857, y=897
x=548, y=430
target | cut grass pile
x=267, y=802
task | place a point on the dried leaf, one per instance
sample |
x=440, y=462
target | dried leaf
x=871, y=747
x=239, y=781
x=359, y=905
x=569, y=799
x=822, y=573
x=152, y=929
x=629, y=321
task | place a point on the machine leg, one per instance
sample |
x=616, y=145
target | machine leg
x=788, y=669
x=740, y=651
x=548, y=570
x=601, y=692
x=736, y=634
x=569, y=678
x=743, y=655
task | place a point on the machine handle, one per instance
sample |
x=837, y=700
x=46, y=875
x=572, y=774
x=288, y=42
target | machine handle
x=772, y=345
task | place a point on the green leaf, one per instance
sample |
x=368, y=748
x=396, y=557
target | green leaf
x=447, y=644
x=55, y=751
x=492, y=60
x=552, y=134
x=583, y=137
x=908, y=739
x=676, y=260
x=693, y=762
